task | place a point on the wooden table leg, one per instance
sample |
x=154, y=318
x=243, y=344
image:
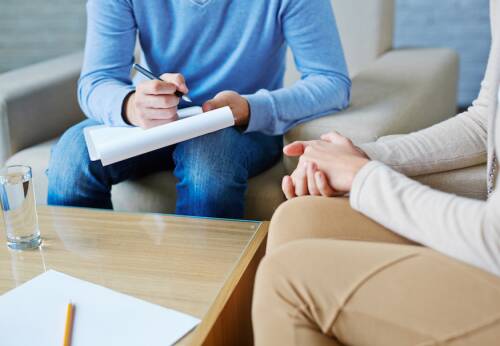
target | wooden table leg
x=234, y=324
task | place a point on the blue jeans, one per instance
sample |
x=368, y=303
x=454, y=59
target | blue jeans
x=212, y=171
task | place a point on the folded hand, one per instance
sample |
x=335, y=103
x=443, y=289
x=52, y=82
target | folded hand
x=326, y=167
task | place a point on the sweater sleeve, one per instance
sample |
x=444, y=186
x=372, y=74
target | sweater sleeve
x=455, y=143
x=105, y=79
x=310, y=30
x=465, y=229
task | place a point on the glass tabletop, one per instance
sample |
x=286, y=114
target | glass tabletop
x=176, y=262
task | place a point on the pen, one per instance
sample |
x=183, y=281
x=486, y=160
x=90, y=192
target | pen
x=68, y=329
x=151, y=76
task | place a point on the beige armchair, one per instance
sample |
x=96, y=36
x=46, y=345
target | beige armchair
x=394, y=92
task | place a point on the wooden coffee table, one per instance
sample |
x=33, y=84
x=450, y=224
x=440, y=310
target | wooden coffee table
x=203, y=267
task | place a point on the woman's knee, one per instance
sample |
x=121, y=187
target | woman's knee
x=283, y=227
x=270, y=275
x=304, y=217
x=291, y=275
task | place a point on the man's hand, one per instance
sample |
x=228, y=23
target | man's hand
x=154, y=102
x=326, y=167
x=238, y=104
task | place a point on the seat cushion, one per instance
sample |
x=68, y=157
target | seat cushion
x=156, y=192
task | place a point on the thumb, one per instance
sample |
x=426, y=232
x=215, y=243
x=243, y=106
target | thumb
x=208, y=106
x=212, y=104
x=294, y=149
x=334, y=137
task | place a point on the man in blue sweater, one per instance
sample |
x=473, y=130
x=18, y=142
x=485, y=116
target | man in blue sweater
x=225, y=53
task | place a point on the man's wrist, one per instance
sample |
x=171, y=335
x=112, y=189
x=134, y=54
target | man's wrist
x=244, y=118
x=128, y=107
x=261, y=118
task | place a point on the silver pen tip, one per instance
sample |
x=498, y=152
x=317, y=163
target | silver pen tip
x=186, y=98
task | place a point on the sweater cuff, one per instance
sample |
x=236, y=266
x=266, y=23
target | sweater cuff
x=372, y=150
x=261, y=112
x=115, y=117
x=359, y=183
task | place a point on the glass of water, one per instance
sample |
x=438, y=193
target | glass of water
x=17, y=198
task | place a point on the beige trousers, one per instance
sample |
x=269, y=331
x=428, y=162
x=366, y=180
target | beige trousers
x=379, y=289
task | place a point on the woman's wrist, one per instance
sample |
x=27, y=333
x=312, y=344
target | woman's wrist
x=357, y=166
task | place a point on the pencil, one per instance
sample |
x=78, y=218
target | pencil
x=68, y=330
x=151, y=76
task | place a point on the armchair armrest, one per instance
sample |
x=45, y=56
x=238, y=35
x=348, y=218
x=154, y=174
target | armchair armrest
x=466, y=182
x=403, y=91
x=38, y=103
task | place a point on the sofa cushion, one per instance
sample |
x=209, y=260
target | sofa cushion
x=156, y=193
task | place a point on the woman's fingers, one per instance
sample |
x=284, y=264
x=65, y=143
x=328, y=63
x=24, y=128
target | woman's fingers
x=297, y=148
x=323, y=185
x=287, y=187
x=311, y=181
x=336, y=138
x=299, y=177
x=294, y=149
x=331, y=136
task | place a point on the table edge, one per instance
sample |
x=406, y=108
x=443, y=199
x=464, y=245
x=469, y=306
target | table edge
x=204, y=328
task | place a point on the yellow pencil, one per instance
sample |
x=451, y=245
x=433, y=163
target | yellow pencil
x=68, y=330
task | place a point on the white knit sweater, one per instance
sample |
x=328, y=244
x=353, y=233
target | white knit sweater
x=466, y=229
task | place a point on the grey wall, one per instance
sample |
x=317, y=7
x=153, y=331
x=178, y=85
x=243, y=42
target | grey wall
x=459, y=24
x=35, y=30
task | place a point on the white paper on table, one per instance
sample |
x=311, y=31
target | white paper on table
x=34, y=314
x=114, y=144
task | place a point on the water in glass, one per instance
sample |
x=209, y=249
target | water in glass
x=19, y=210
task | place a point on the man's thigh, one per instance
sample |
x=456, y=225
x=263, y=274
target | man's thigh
x=70, y=155
x=229, y=152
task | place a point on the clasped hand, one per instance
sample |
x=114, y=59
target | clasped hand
x=154, y=102
x=327, y=167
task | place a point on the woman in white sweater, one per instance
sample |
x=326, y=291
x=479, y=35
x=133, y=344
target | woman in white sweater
x=385, y=288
